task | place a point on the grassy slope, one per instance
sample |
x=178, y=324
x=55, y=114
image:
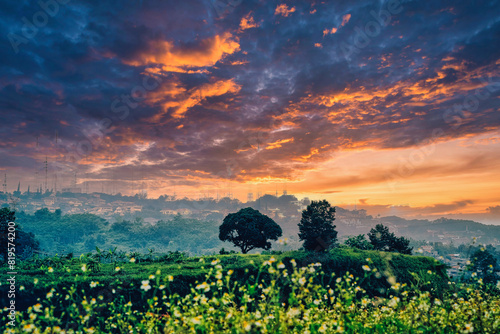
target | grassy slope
x=391, y=267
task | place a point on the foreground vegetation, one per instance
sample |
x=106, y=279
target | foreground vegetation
x=344, y=290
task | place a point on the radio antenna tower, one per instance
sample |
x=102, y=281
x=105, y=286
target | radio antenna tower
x=46, y=172
x=56, y=166
x=5, y=184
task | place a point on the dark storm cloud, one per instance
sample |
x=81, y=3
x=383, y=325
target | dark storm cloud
x=240, y=102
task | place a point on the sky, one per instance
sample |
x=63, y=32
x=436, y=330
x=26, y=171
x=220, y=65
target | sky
x=391, y=106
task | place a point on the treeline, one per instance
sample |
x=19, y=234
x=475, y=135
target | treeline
x=81, y=233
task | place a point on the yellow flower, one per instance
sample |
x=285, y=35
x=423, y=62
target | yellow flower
x=51, y=270
x=132, y=260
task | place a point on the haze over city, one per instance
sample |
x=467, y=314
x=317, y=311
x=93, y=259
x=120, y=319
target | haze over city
x=389, y=106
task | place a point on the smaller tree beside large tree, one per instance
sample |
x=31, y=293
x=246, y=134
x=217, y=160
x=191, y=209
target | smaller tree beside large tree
x=359, y=242
x=383, y=240
x=316, y=226
x=485, y=264
x=249, y=229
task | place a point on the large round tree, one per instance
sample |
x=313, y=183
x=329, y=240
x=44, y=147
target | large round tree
x=316, y=226
x=249, y=229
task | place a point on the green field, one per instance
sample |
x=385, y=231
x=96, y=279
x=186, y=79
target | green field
x=345, y=290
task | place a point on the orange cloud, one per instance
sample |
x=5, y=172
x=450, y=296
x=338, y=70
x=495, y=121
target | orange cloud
x=186, y=59
x=185, y=100
x=248, y=22
x=284, y=10
x=305, y=158
x=345, y=20
x=278, y=144
x=327, y=31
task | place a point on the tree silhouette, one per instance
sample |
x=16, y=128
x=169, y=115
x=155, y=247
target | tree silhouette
x=25, y=243
x=316, y=226
x=383, y=240
x=249, y=229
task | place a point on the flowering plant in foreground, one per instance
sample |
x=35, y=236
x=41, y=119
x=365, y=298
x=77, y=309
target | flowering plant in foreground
x=281, y=299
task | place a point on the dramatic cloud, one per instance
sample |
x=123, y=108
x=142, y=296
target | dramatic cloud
x=199, y=94
x=284, y=10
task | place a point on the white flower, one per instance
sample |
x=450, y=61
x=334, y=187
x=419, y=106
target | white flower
x=468, y=328
x=281, y=265
x=203, y=286
x=145, y=285
x=393, y=302
x=84, y=267
x=117, y=269
x=302, y=280
x=132, y=260
x=51, y=270
x=93, y=284
x=366, y=268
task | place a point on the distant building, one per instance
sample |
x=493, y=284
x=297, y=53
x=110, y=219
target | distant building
x=72, y=190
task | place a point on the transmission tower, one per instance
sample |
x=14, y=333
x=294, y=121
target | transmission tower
x=5, y=184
